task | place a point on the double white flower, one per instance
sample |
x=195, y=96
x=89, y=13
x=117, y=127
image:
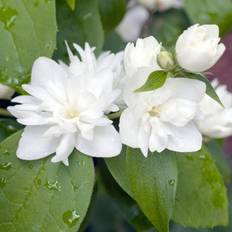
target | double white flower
x=215, y=120
x=66, y=108
x=162, y=118
x=67, y=105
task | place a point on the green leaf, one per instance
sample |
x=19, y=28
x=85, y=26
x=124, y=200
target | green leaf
x=153, y=182
x=71, y=3
x=27, y=31
x=209, y=88
x=126, y=205
x=219, y=156
x=114, y=43
x=112, y=12
x=79, y=26
x=211, y=12
x=201, y=199
x=40, y=195
x=118, y=169
x=8, y=127
x=155, y=80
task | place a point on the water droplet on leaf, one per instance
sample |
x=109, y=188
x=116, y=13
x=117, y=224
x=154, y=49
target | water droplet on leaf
x=5, y=166
x=172, y=182
x=6, y=152
x=70, y=217
x=3, y=182
x=8, y=16
x=202, y=157
x=53, y=185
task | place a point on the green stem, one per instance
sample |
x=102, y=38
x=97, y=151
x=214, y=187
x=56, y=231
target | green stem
x=4, y=112
x=114, y=115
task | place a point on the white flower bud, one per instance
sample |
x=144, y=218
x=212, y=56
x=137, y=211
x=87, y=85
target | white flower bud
x=166, y=60
x=6, y=92
x=198, y=48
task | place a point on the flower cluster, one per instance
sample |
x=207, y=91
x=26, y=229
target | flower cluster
x=72, y=106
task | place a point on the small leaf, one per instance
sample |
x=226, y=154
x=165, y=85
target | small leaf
x=155, y=80
x=153, y=182
x=40, y=195
x=209, y=88
x=71, y=3
x=201, y=199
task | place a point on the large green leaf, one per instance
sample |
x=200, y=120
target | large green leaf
x=155, y=80
x=153, y=182
x=150, y=181
x=112, y=12
x=211, y=12
x=201, y=199
x=27, y=31
x=83, y=24
x=42, y=196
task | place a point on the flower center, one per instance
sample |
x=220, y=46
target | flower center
x=71, y=113
x=154, y=111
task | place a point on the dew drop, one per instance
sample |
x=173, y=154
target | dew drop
x=49, y=45
x=202, y=157
x=3, y=182
x=81, y=163
x=6, y=152
x=53, y=185
x=70, y=217
x=172, y=182
x=75, y=188
x=8, y=17
x=5, y=166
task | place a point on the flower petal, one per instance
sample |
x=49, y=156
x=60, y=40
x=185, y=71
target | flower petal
x=129, y=128
x=44, y=69
x=34, y=145
x=185, y=139
x=105, y=143
x=188, y=89
x=65, y=148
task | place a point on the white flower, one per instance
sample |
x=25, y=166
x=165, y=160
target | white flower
x=163, y=118
x=198, y=48
x=214, y=120
x=6, y=92
x=143, y=54
x=65, y=109
x=131, y=26
x=160, y=5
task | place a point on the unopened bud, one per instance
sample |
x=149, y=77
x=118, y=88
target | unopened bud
x=166, y=60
